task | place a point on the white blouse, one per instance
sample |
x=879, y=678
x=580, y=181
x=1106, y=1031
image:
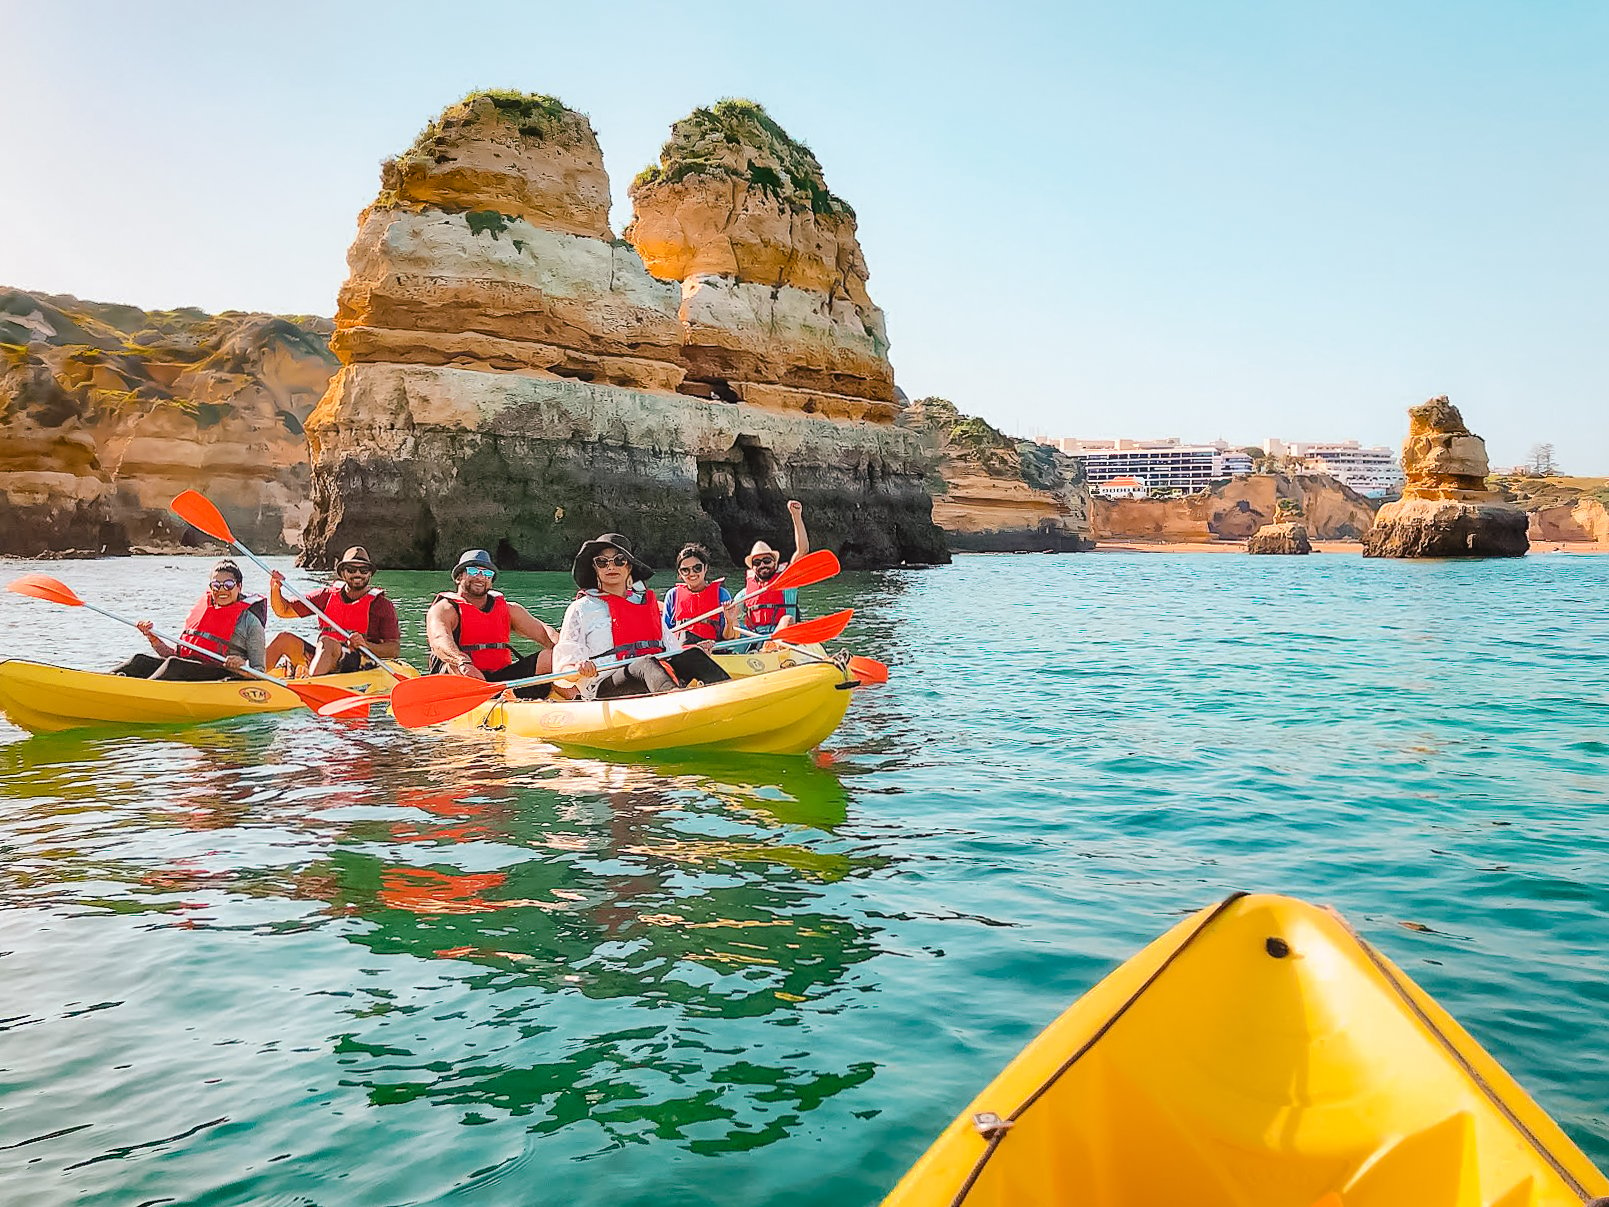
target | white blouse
x=587, y=632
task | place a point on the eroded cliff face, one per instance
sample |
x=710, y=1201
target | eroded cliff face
x=773, y=301
x=514, y=377
x=996, y=494
x=1235, y=511
x=1561, y=509
x=1446, y=509
x=108, y=411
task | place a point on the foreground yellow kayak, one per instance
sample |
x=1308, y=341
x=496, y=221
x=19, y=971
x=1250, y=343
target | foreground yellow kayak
x=44, y=699
x=1259, y=1053
x=788, y=711
x=762, y=662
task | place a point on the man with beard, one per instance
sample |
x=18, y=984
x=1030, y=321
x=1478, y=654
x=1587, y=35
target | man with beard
x=469, y=630
x=351, y=602
x=766, y=611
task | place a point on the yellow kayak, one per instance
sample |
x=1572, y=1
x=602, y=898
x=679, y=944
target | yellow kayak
x=1259, y=1053
x=45, y=699
x=789, y=711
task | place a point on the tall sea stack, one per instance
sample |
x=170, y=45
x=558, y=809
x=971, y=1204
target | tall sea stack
x=1446, y=509
x=515, y=377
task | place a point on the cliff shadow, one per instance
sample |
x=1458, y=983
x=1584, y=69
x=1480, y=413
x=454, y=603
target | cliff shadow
x=740, y=492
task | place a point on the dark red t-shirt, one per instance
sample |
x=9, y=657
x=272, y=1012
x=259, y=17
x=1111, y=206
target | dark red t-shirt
x=382, y=613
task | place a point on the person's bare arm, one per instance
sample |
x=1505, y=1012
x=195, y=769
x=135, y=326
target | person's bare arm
x=441, y=630
x=526, y=625
x=801, y=538
x=281, y=605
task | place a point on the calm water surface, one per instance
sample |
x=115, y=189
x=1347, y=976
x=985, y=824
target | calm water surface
x=291, y=961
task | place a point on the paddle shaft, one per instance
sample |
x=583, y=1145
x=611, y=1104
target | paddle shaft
x=285, y=585
x=179, y=643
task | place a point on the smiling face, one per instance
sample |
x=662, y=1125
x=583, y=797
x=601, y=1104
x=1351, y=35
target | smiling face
x=613, y=569
x=693, y=573
x=223, y=590
x=355, y=578
x=475, y=582
x=764, y=566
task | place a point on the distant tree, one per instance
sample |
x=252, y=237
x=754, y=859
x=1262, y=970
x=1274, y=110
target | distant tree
x=1541, y=461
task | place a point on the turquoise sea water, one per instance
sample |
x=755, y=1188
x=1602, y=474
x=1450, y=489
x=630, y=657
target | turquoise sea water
x=294, y=962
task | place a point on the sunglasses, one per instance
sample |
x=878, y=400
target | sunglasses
x=690, y=571
x=619, y=559
x=764, y=559
x=354, y=568
x=479, y=572
x=223, y=584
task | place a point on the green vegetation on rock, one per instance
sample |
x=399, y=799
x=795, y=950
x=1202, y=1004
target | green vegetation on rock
x=483, y=222
x=737, y=139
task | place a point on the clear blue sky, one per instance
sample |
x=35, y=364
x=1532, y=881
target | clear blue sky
x=1227, y=219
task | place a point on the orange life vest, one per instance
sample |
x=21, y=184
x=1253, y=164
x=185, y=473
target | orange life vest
x=687, y=604
x=483, y=635
x=353, y=617
x=766, y=608
x=636, y=628
x=211, y=627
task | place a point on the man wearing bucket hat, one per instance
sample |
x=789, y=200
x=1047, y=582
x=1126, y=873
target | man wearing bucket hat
x=352, y=602
x=767, y=611
x=469, y=629
x=616, y=617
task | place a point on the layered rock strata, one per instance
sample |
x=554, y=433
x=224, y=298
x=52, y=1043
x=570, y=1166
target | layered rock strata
x=1235, y=510
x=515, y=377
x=1287, y=537
x=996, y=494
x=773, y=302
x=1446, y=509
x=108, y=411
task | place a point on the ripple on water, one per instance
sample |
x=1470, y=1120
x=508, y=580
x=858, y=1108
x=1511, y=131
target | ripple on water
x=288, y=961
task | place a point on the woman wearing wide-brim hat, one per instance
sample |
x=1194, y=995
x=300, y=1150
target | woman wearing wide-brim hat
x=616, y=617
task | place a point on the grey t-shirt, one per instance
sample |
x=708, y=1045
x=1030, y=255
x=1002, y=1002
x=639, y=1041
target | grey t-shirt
x=249, y=640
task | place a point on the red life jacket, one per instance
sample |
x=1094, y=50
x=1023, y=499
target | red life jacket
x=483, y=635
x=687, y=604
x=766, y=608
x=635, y=628
x=211, y=627
x=353, y=617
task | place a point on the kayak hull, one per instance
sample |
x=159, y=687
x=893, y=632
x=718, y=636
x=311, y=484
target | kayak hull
x=48, y=699
x=789, y=711
x=1259, y=1052
x=762, y=662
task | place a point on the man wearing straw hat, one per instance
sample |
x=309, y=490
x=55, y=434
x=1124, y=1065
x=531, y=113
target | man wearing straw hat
x=768, y=611
x=351, y=602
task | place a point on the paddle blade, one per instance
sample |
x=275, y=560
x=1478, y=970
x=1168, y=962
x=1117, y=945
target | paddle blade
x=196, y=510
x=868, y=670
x=432, y=699
x=811, y=568
x=317, y=695
x=42, y=586
x=822, y=628
x=354, y=703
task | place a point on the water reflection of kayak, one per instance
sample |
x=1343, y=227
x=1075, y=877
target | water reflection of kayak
x=47, y=699
x=1259, y=1052
x=787, y=711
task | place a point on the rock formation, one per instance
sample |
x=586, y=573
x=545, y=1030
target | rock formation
x=515, y=377
x=1446, y=509
x=997, y=494
x=1289, y=536
x=1235, y=510
x=107, y=412
x=1561, y=509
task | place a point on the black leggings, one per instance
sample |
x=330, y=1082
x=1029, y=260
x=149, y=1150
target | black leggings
x=175, y=670
x=647, y=677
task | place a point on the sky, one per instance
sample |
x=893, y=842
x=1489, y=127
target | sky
x=1234, y=220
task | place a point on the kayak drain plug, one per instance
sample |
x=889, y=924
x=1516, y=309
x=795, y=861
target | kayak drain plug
x=1277, y=947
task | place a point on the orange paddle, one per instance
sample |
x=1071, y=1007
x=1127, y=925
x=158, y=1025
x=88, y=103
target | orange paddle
x=42, y=586
x=867, y=670
x=196, y=510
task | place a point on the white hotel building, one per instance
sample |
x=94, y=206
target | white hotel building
x=1372, y=471
x=1161, y=466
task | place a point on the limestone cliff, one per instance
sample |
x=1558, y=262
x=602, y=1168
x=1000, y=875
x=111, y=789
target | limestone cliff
x=1288, y=537
x=515, y=377
x=108, y=411
x=998, y=494
x=1235, y=510
x=773, y=302
x=1561, y=509
x=1446, y=509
